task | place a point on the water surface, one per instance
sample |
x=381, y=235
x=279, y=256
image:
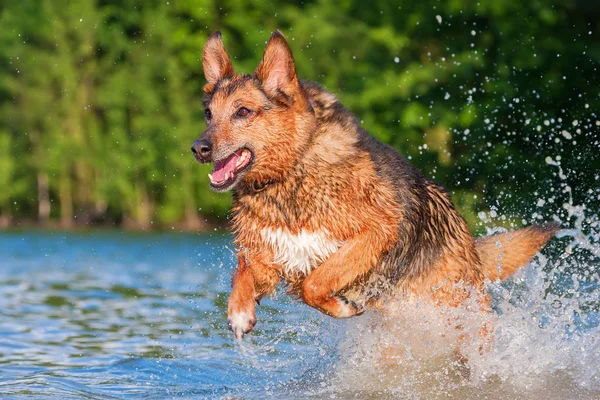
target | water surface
x=121, y=315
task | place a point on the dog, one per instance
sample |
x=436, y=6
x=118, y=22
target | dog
x=344, y=220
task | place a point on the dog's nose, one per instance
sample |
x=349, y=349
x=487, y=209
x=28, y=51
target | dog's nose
x=202, y=149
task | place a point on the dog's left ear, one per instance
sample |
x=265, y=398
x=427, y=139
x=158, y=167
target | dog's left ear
x=277, y=70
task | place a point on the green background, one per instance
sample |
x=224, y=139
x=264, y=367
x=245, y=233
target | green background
x=100, y=101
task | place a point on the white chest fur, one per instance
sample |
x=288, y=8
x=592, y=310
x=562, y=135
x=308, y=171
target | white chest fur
x=299, y=253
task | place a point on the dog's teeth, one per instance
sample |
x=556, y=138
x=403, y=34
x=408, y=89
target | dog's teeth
x=210, y=177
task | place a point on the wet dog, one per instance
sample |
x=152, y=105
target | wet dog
x=344, y=220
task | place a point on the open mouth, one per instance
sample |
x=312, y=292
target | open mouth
x=227, y=170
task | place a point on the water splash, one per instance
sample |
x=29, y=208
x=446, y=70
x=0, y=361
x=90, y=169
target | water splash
x=546, y=340
x=546, y=333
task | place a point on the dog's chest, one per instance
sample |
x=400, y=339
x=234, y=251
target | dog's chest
x=299, y=253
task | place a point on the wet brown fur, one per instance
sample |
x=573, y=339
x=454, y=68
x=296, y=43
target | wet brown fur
x=316, y=170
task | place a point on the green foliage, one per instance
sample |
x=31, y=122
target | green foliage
x=102, y=99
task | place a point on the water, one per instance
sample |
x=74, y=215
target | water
x=102, y=315
x=118, y=315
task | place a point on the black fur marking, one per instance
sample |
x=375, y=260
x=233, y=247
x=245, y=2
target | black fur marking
x=227, y=86
x=280, y=207
x=235, y=84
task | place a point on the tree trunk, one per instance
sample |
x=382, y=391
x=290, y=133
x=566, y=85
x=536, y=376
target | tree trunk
x=144, y=207
x=43, y=198
x=66, y=202
x=192, y=220
x=5, y=217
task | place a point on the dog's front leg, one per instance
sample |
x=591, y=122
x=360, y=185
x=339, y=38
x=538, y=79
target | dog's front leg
x=355, y=258
x=251, y=281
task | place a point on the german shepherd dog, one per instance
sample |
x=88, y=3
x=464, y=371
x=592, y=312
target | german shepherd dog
x=344, y=220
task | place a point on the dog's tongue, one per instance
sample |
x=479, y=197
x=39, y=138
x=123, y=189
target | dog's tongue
x=225, y=169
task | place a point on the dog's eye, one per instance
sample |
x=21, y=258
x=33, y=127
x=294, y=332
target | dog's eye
x=207, y=114
x=243, y=112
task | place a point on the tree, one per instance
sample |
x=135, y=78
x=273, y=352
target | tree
x=101, y=100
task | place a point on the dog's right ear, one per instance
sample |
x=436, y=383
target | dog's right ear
x=215, y=61
x=277, y=70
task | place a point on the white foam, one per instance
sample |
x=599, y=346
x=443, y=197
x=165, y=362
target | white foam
x=546, y=340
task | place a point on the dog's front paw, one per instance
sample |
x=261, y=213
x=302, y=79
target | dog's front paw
x=347, y=308
x=241, y=323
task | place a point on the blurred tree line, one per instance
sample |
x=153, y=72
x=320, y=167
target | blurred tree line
x=100, y=100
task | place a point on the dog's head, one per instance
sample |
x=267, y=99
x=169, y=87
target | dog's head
x=258, y=125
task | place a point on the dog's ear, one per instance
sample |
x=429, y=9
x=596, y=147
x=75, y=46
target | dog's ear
x=215, y=60
x=277, y=70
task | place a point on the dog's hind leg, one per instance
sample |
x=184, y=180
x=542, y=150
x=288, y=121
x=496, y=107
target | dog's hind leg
x=356, y=258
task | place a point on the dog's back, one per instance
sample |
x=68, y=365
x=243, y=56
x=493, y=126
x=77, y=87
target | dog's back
x=435, y=250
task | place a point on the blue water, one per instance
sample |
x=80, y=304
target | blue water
x=119, y=315
x=102, y=315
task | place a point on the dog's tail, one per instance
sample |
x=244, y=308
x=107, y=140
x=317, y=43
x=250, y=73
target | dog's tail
x=502, y=255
